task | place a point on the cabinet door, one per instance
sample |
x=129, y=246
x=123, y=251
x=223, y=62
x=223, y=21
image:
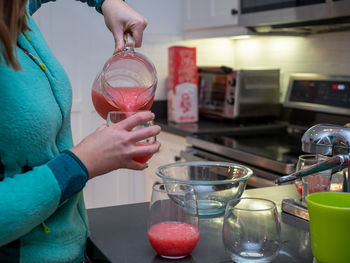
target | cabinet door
x=201, y=14
x=169, y=152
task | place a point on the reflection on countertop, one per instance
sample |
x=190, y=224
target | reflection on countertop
x=215, y=126
x=120, y=233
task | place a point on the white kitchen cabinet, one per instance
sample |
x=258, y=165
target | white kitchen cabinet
x=211, y=18
x=169, y=152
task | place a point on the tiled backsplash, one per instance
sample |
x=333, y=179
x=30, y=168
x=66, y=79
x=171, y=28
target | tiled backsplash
x=323, y=53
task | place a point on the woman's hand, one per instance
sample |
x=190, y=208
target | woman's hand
x=111, y=148
x=121, y=18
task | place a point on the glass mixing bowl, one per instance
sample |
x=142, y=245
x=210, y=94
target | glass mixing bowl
x=215, y=183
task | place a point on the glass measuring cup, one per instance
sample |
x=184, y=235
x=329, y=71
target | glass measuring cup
x=126, y=83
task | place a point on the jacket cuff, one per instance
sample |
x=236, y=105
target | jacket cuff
x=98, y=4
x=70, y=173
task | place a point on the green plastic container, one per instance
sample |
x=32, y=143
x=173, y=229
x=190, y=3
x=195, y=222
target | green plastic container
x=330, y=226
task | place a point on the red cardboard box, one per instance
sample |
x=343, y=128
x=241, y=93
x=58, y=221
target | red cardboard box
x=182, y=85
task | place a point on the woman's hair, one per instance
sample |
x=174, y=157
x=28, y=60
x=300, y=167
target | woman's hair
x=13, y=21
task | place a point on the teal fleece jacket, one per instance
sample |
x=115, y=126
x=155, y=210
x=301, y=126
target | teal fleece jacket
x=42, y=213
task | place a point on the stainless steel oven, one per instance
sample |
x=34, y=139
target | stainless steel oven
x=270, y=153
x=271, y=150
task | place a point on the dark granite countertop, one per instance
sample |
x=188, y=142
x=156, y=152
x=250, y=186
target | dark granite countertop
x=119, y=234
x=212, y=126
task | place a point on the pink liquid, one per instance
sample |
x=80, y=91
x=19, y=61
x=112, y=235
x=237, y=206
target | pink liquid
x=173, y=239
x=315, y=184
x=102, y=106
x=125, y=99
x=299, y=186
x=131, y=99
x=318, y=184
x=142, y=159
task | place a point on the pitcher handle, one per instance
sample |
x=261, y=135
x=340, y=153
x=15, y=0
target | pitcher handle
x=129, y=46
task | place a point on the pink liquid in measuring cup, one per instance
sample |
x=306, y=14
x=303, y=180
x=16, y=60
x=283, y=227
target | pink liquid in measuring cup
x=130, y=99
x=102, y=106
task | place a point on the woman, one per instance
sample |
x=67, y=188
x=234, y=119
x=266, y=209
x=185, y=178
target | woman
x=42, y=213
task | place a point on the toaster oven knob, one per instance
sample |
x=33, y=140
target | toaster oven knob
x=231, y=101
x=232, y=82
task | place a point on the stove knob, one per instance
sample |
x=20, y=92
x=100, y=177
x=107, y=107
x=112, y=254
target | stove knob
x=232, y=82
x=231, y=101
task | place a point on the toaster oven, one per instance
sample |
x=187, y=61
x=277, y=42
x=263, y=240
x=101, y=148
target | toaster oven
x=231, y=94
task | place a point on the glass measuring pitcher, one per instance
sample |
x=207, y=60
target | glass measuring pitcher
x=126, y=83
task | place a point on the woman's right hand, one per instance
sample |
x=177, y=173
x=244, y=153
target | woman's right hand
x=111, y=148
x=121, y=18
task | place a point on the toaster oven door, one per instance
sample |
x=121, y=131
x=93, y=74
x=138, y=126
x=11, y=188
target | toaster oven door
x=216, y=94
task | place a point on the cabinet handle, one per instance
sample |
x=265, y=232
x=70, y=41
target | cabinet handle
x=177, y=158
x=234, y=11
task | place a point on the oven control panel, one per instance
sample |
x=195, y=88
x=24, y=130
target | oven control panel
x=319, y=93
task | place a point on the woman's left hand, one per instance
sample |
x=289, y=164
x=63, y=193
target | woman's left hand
x=121, y=18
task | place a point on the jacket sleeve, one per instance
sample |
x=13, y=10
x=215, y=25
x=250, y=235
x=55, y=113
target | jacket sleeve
x=35, y=4
x=29, y=198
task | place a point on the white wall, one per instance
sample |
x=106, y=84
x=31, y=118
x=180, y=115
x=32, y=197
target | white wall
x=213, y=52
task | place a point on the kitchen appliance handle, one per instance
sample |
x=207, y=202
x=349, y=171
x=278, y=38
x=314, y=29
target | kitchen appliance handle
x=253, y=181
x=336, y=163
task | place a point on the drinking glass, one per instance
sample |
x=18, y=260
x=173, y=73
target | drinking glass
x=318, y=182
x=173, y=223
x=251, y=230
x=117, y=116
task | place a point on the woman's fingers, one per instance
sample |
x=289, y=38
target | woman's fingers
x=145, y=149
x=103, y=126
x=119, y=40
x=136, y=165
x=121, y=18
x=137, y=31
x=114, y=147
x=144, y=133
x=136, y=119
